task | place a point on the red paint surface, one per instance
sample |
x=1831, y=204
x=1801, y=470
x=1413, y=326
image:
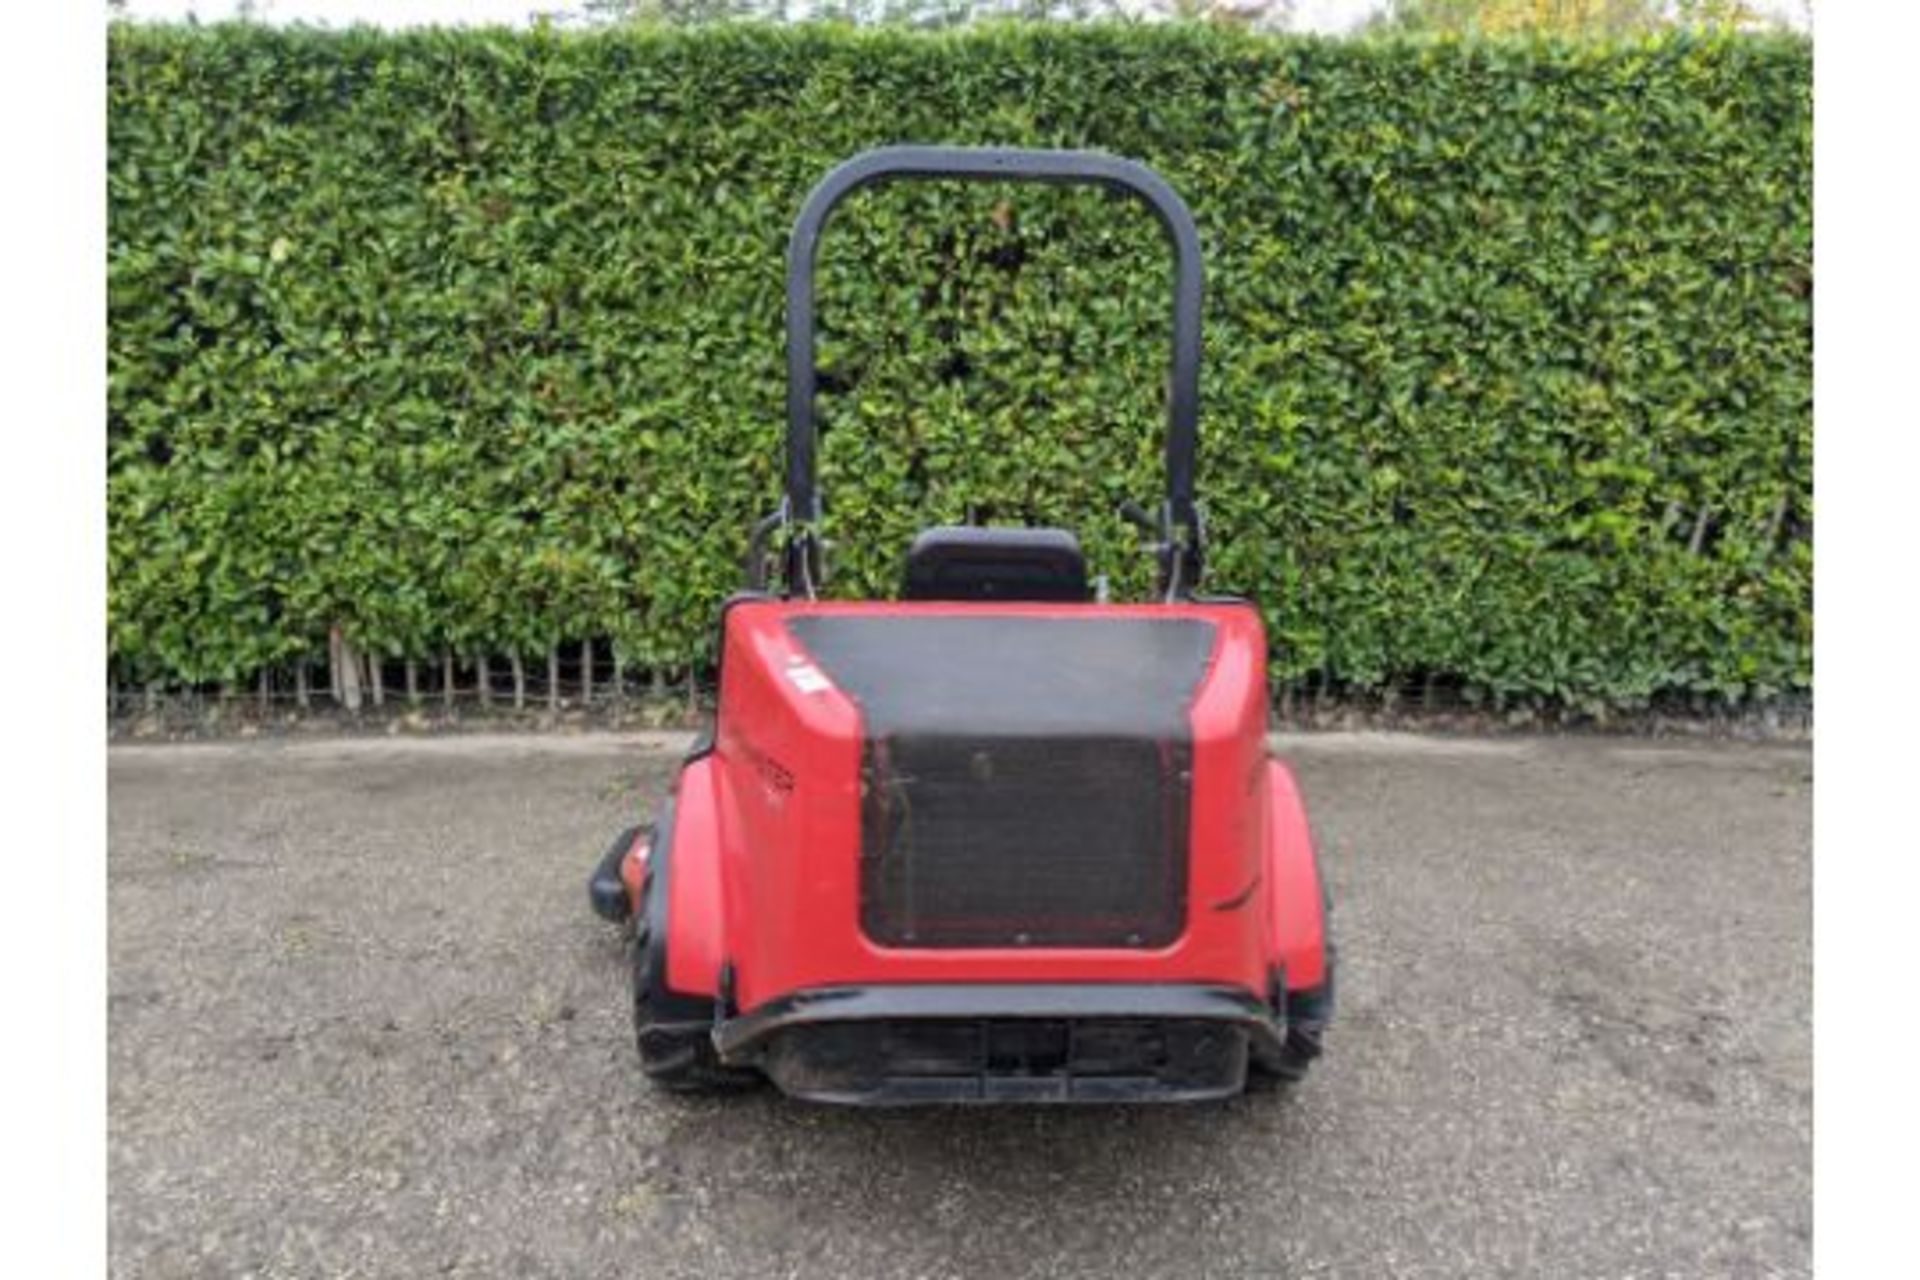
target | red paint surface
x=766, y=844
x=1295, y=900
x=696, y=920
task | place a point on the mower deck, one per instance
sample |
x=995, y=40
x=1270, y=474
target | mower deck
x=1000, y=839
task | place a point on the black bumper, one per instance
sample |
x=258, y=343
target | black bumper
x=985, y=1042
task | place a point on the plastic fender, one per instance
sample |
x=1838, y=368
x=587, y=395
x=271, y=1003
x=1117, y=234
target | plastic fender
x=1297, y=902
x=696, y=924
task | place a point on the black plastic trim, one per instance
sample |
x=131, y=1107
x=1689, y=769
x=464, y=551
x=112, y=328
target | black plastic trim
x=703, y=742
x=1076, y=1001
x=1313, y=1007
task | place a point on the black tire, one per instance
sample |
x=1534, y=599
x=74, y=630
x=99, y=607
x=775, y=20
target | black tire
x=676, y=1053
x=1289, y=1064
x=1308, y=1013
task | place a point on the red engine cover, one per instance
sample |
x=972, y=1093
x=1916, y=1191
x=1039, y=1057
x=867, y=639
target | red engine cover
x=766, y=848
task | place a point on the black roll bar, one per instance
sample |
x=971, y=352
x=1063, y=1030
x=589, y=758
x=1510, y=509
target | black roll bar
x=1179, y=520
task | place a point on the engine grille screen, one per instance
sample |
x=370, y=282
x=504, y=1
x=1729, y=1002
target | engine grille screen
x=1024, y=781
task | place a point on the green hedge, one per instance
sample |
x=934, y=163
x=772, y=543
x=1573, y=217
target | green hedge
x=472, y=341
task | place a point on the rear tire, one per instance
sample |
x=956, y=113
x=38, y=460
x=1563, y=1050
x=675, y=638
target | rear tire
x=1289, y=1064
x=678, y=1056
x=1308, y=1013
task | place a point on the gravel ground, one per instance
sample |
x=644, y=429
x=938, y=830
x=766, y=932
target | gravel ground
x=361, y=1023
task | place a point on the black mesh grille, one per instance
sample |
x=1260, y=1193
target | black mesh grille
x=1025, y=781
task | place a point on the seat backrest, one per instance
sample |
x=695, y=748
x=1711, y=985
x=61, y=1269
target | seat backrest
x=965, y=562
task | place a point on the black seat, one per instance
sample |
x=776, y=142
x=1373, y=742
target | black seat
x=964, y=562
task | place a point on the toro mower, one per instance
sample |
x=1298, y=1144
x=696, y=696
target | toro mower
x=995, y=841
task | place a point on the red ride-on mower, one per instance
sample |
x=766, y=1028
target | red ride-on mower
x=993, y=842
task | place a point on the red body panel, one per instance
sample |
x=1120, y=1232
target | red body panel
x=1295, y=900
x=695, y=954
x=766, y=843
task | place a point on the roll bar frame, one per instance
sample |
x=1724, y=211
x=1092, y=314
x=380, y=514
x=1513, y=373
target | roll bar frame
x=1179, y=522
